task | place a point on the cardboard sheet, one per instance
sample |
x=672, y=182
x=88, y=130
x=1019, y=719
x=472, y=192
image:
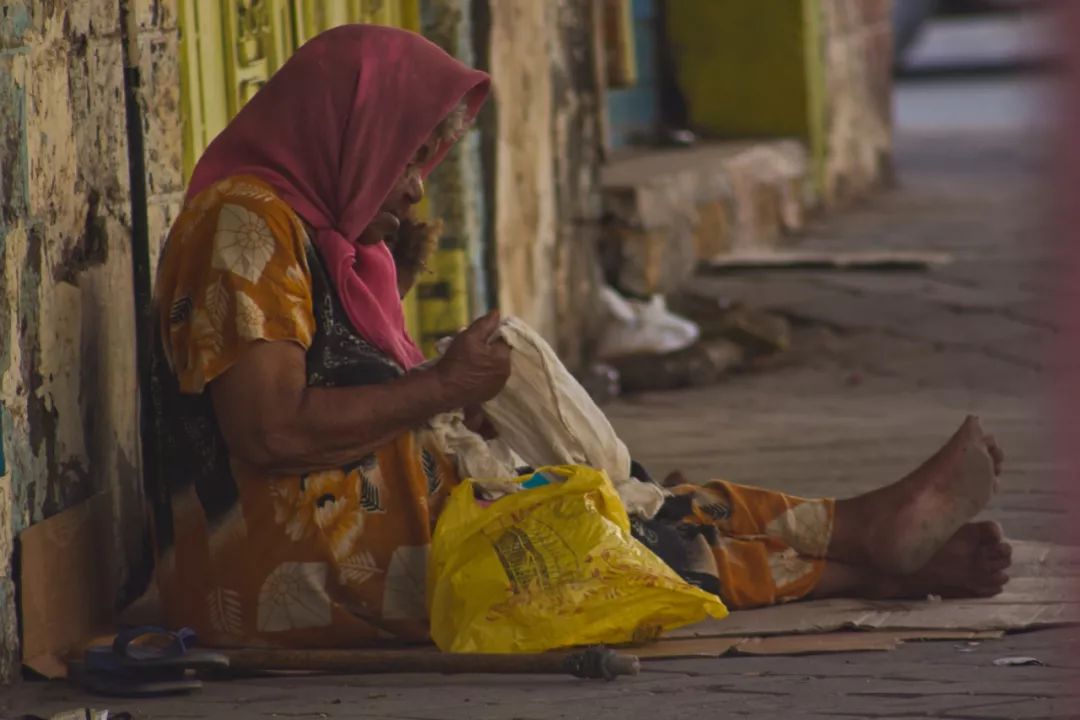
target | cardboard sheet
x=1043, y=593
x=798, y=260
x=835, y=642
x=65, y=584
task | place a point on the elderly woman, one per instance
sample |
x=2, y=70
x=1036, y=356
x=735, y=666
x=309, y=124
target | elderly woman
x=299, y=484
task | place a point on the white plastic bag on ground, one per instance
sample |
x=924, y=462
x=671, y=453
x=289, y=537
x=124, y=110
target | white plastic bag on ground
x=637, y=327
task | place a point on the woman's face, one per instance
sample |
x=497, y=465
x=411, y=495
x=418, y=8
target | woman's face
x=407, y=192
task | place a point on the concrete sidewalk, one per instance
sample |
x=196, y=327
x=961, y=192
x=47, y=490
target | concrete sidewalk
x=884, y=367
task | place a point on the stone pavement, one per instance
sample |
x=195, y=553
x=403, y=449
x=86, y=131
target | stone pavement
x=917, y=680
x=884, y=367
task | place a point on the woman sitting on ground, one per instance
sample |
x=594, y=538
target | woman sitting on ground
x=299, y=487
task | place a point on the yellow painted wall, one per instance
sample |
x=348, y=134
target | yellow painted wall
x=751, y=69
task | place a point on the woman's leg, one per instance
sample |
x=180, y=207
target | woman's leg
x=895, y=529
x=770, y=547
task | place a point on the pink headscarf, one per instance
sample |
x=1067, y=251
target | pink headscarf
x=331, y=132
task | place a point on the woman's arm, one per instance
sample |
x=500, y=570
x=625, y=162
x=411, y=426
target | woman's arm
x=272, y=420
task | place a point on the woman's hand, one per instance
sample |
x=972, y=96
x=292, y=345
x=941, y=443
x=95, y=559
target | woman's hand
x=475, y=368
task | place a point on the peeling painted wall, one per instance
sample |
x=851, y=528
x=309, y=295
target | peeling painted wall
x=157, y=27
x=856, y=38
x=67, y=348
x=525, y=210
x=548, y=146
x=577, y=145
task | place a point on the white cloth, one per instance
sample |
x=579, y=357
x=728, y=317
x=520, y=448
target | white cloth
x=476, y=457
x=637, y=327
x=546, y=417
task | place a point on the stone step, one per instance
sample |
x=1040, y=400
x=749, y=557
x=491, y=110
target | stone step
x=666, y=210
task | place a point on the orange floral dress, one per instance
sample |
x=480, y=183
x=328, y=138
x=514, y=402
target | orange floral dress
x=339, y=558
x=334, y=558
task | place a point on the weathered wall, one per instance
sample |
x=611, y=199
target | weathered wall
x=577, y=147
x=159, y=97
x=525, y=211
x=856, y=39
x=67, y=348
x=547, y=160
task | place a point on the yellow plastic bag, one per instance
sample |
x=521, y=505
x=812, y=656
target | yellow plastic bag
x=548, y=567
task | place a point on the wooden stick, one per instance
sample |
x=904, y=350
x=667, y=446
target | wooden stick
x=598, y=663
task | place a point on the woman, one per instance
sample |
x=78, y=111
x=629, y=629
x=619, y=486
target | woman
x=299, y=485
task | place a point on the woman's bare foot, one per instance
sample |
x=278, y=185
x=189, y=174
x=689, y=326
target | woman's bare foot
x=972, y=563
x=899, y=528
x=933, y=502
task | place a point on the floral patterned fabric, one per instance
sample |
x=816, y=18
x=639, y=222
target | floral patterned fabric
x=334, y=558
x=750, y=546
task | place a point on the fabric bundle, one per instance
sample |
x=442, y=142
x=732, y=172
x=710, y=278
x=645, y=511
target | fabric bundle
x=544, y=417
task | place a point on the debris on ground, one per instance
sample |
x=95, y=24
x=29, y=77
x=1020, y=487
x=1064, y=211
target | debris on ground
x=704, y=363
x=1017, y=661
x=758, y=331
x=687, y=340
